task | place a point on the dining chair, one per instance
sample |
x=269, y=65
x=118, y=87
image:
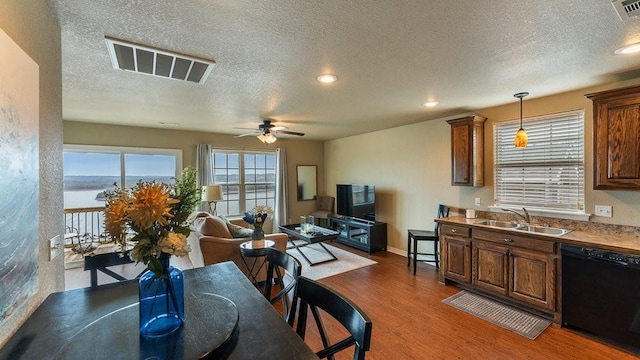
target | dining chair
x=414, y=236
x=315, y=296
x=285, y=280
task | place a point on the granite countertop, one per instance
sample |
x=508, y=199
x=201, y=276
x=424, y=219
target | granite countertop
x=604, y=240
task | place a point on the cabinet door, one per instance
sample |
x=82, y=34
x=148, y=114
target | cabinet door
x=616, y=135
x=461, y=154
x=532, y=278
x=491, y=267
x=359, y=234
x=456, y=258
x=467, y=142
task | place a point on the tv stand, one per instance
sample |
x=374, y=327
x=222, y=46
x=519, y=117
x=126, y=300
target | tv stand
x=370, y=236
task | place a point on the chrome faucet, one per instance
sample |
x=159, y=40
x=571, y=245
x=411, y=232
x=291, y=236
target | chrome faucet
x=526, y=216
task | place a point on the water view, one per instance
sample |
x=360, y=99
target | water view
x=88, y=191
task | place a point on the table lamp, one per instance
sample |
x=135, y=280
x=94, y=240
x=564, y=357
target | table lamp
x=212, y=194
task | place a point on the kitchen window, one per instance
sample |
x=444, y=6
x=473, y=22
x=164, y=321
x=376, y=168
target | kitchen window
x=248, y=179
x=548, y=174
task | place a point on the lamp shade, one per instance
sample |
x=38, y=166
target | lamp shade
x=212, y=193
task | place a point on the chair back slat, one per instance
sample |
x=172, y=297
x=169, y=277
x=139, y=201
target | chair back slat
x=443, y=211
x=286, y=280
x=313, y=295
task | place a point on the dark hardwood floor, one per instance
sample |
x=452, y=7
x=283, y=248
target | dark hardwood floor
x=411, y=322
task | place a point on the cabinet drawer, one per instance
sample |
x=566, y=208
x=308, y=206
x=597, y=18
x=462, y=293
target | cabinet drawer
x=454, y=230
x=515, y=240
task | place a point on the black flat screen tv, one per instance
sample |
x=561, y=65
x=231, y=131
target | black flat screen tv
x=357, y=201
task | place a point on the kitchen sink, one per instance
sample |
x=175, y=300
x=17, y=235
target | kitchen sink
x=500, y=224
x=542, y=230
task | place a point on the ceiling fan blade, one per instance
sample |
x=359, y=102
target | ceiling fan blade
x=291, y=133
x=249, y=134
x=278, y=128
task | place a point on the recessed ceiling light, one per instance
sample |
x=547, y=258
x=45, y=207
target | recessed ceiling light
x=629, y=49
x=327, y=78
x=431, y=103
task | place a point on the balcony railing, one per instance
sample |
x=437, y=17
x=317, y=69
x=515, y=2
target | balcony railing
x=84, y=228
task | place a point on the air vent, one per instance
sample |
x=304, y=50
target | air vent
x=150, y=61
x=627, y=9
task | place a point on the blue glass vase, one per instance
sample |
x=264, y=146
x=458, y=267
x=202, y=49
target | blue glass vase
x=161, y=300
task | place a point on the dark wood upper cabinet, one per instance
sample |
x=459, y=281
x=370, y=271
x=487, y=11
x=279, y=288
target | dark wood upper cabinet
x=616, y=139
x=467, y=144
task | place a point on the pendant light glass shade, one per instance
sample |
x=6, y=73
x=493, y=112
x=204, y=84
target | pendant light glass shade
x=521, y=138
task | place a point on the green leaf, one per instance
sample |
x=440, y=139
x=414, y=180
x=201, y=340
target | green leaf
x=156, y=266
x=182, y=230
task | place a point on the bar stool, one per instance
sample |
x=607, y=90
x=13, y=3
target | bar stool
x=425, y=235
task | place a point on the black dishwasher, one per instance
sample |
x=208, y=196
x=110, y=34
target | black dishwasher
x=601, y=294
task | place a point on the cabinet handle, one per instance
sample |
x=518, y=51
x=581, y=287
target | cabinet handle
x=508, y=240
x=454, y=230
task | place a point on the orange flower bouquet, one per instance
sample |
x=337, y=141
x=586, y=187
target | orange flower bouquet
x=155, y=214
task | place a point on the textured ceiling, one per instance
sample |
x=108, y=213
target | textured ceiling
x=390, y=57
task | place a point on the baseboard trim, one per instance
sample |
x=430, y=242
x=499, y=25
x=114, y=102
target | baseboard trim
x=397, y=251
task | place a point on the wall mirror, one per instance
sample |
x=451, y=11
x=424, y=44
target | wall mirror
x=307, y=182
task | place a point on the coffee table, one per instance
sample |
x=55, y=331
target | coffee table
x=319, y=235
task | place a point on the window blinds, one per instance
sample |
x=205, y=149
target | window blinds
x=549, y=172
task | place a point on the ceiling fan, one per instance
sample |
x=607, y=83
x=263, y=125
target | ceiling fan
x=266, y=132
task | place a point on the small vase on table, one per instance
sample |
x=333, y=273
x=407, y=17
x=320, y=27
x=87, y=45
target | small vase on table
x=258, y=234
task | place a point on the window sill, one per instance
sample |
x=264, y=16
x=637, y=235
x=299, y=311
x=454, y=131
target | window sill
x=557, y=214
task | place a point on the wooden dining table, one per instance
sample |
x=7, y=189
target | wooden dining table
x=102, y=323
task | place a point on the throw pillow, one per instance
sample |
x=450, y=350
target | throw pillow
x=238, y=231
x=212, y=226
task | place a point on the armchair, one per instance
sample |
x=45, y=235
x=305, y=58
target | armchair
x=324, y=208
x=217, y=243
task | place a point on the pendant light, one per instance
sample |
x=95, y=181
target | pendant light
x=521, y=138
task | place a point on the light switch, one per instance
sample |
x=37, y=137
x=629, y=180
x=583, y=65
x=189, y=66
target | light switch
x=477, y=201
x=55, y=247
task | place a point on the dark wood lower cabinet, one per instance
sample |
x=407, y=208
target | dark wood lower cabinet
x=491, y=267
x=532, y=279
x=456, y=258
x=516, y=268
x=455, y=253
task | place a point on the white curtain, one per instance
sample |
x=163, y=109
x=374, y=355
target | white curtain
x=204, y=170
x=281, y=213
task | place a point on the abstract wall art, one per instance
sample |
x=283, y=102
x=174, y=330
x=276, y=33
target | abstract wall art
x=19, y=176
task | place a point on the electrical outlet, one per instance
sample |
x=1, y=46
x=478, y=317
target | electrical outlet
x=604, y=210
x=477, y=201
x=55, y=247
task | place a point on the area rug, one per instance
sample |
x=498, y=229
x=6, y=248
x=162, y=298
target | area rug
x=519, y=322
x=346, y=261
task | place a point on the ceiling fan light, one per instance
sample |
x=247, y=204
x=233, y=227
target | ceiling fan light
x=521, y=139
x=267, y=138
